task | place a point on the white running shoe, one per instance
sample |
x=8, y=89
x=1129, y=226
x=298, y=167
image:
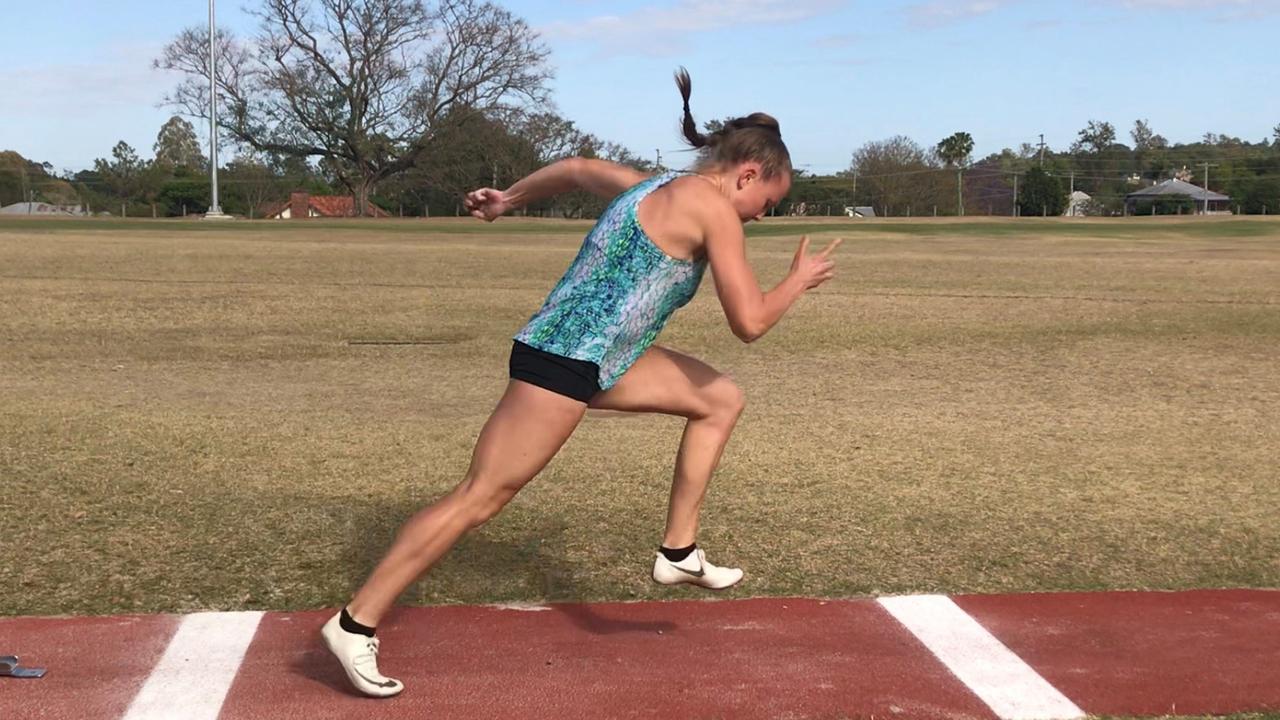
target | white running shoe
x=694, y=570
x=359, y=657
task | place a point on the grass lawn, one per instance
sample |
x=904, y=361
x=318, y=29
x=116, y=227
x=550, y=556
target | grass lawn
x=189, y=418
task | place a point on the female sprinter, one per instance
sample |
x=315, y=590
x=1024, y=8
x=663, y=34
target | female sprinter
x=590, y=346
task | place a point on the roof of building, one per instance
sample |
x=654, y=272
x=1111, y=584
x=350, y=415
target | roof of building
x=342, y=206
x=40, y=208
x=329, y=206
x=1178, y=187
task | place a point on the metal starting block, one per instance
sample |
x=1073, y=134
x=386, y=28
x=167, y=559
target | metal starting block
x=9, y=668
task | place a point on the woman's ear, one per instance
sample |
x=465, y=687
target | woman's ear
x=748, y=173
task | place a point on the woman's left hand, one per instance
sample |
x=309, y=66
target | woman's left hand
x=487, y=204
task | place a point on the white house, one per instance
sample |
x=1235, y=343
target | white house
x=41, y=208
x=1078, y=204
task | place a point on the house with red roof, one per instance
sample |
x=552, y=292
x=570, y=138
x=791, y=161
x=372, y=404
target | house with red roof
x=302, y=205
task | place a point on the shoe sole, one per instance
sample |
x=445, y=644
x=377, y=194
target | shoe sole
x=697, y=584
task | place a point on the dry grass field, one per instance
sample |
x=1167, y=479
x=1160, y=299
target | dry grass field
x=191, y=416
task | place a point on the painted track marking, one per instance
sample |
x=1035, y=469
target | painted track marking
x=992, y=671
x=194, y=674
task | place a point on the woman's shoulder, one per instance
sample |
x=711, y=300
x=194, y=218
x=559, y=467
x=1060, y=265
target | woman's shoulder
x=688, y=206
x=696, y=189
x=700, y=197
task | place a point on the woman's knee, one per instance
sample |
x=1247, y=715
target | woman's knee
x=725, y=400
x=483, y=499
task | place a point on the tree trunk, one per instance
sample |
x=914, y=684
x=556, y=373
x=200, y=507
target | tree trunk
x=363, y=188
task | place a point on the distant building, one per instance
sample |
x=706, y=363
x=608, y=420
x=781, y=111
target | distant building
x=1078, y=204
x=41, y=208
x=860, y=211
x=1205, y=200
x=302, y=205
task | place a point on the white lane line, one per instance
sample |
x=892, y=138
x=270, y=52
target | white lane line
x=992, y=671
x=193, y=676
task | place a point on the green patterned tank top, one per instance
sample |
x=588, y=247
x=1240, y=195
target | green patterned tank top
x=617, y=295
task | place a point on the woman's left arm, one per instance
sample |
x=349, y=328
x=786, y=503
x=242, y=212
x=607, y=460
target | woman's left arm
x=600, y=177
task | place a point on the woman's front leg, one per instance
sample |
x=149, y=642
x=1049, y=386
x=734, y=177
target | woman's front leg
x=668, y=382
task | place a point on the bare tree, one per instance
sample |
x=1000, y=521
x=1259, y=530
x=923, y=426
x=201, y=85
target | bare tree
x=896, y=174
x=552, y=135
x=361, y=84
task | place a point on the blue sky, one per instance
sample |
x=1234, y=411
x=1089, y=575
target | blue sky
x=836, y=74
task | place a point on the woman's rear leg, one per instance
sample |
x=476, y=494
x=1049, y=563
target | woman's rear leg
x=526, y=430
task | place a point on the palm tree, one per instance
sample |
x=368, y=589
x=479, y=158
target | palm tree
x=955, y=151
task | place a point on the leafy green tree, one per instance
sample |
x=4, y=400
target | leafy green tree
x=16, y=175
x=1146, y=139
x=121, y=177
x=177, y=147
x=1041, y=193
x=22, y=180
x=187, y=194
x=713, y=126
x=469, y=150
x=1095, y=137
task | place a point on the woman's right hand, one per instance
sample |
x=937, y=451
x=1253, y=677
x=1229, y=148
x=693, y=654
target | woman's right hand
x=813, y=270
x=487, y=204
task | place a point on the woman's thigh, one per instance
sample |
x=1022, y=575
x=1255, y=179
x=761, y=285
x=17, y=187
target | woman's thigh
x=669, y=382
x=525, y=431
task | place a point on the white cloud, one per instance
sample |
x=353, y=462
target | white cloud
x=834, y=42
x=1204, y=4
x=946, y=12
x=119, y=76
x=1227, y=9
x=665, y=29
x=71, y=112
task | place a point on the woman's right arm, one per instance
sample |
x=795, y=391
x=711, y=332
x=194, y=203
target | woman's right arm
x=751, y=312
x=600, y=177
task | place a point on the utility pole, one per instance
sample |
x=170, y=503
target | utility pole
x=960, y=192
x=1206, y=167
x=215, y=212
x=1042, y=150
x=1015, y=194
x=657, y=164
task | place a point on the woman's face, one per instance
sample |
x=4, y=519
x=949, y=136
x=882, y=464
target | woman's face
x=754, y=196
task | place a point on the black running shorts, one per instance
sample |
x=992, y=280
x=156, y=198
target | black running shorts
x=577, y=379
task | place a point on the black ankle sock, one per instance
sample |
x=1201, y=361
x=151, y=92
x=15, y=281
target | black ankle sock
x=350, y=625
x=677, y=554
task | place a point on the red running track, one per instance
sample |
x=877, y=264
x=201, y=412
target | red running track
x=1108, y=653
